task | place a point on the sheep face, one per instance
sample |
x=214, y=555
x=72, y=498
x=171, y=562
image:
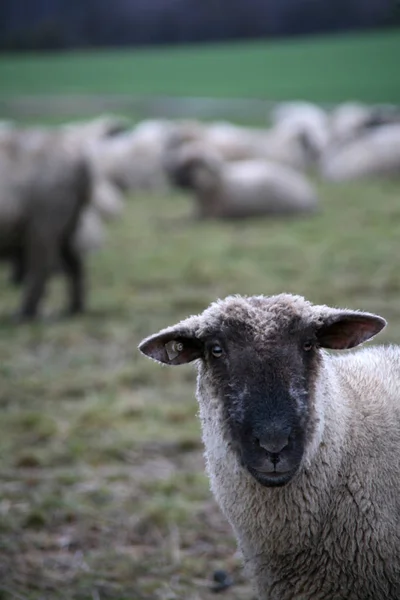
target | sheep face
x=259, y=360
x=195, y=174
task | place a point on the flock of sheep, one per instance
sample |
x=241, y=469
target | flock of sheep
x=302, y=447
x=60, y=185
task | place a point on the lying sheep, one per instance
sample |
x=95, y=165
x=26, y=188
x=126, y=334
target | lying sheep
x=353, y=119
x=104, y=126
x=290, y=142
x=374, y=154
x=43, y=193
x=238, y=189
x=302, y=447
x=306, y=120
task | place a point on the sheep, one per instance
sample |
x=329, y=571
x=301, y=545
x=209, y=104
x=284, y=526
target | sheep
x=44, y=191
x=352, y=119
x=290, y=143
x=130, y=162
x=297, y=110
x=90, y=234
x=238, y=189
x=232, y=142
x=309, y=121
x=106, y=198
x=104, y=126
x=374, y=154
x=105, y=201
x=302, y=447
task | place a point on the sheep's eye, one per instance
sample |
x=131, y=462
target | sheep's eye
x=308, y=345
x=177, y=346
x=216, y=350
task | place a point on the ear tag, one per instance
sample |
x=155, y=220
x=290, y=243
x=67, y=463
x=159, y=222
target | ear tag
x=173, y=349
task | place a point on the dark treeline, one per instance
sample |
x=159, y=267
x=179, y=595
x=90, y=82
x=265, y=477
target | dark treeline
x=58, y=24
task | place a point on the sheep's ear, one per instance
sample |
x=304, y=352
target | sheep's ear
x=172, y=347
x=348, y=329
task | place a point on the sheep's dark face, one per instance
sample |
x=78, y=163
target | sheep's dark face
x=258, y=371
x=196, y=171
x=183, y=176
x=264, y=380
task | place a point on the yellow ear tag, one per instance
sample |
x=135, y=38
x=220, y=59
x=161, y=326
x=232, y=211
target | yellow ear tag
x=173, y=349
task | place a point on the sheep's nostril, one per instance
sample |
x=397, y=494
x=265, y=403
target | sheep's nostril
x=275, y=458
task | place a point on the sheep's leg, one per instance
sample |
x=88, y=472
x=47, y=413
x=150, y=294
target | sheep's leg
x=39, y=254
x=73, y=265
x=18, y=268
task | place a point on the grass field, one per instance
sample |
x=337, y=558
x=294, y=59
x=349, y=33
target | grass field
x=103, y=491
x=327, y=69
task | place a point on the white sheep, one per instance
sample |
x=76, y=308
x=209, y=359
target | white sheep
x=130, y=162
x=238, y=189
x=100, y=127
x=289, y=143
x=309, y=121
x=302, y=447
x=90, y=235
x=375, y=153
x=83, y=140
x=352, y=119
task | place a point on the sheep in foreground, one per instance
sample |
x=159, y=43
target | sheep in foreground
x=44, y=191
x=238, y=189
x=302, y=447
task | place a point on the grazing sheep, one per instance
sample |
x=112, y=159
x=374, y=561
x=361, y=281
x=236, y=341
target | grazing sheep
x=44, y=191
x=302, y=447
x=238, y=189
x=374, y=154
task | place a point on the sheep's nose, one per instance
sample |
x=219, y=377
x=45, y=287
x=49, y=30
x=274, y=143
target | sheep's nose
x=274, y=443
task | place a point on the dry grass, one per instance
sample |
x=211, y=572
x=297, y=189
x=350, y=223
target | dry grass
x=103, y=491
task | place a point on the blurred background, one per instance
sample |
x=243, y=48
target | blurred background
x=290, y=111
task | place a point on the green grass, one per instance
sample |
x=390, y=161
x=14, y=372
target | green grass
x=327, y=69
x=103, y=490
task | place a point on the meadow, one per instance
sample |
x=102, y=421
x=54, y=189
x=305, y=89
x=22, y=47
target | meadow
x=327, y=69
x=103, y=490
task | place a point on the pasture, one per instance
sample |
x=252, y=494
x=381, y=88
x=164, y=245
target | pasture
x=362, y=66
x=103, y=487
